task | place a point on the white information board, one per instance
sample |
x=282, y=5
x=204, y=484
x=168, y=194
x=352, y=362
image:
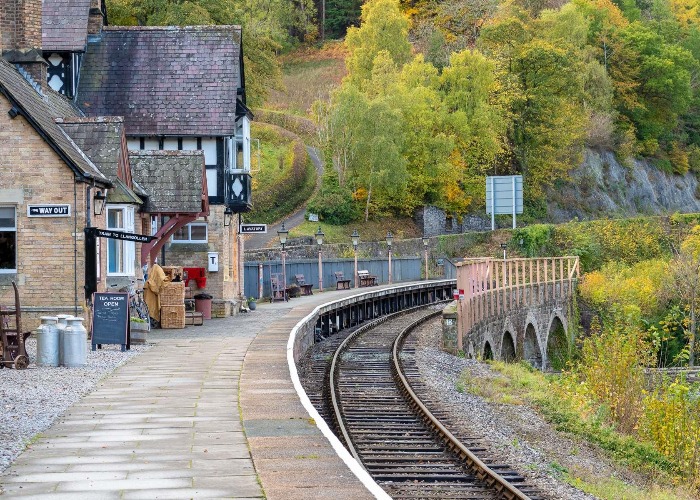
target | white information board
x=504, y=195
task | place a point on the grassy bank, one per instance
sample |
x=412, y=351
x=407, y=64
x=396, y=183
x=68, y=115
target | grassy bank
x=284, y=176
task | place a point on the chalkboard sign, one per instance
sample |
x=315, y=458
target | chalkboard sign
x=110, y=319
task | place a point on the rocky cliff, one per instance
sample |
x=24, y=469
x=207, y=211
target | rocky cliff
x=602, y=187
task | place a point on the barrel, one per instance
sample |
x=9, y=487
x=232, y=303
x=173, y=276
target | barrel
x=74, y=344
x=47, y=346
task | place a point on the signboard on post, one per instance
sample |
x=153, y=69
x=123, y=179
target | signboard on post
x=110, y=319
x=253, y=228
x=504, y=195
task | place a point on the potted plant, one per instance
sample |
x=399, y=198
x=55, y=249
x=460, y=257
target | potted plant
x=252, y=304
x=139, y=328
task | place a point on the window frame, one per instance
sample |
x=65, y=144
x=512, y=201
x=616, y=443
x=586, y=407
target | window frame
x=8, y=229
x=189, y=239
x=127, y=252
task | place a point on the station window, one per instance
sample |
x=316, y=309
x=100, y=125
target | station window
x=121, y=255
x=195, y=232
x=8, y=240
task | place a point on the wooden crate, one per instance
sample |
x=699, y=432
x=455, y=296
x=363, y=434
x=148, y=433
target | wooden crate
x=172, y=316
x=194, y=318
x=172, y=271
x=172, y=294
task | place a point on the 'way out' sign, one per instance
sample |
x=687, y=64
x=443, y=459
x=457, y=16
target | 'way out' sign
x=48, y=210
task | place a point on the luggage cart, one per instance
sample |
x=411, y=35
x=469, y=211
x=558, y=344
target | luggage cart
x=12, y=351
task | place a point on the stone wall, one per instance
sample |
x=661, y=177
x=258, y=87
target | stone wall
x=226, y=283
x=50, y=250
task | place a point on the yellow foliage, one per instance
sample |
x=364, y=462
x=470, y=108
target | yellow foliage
x=671, y=421
x=360, y=194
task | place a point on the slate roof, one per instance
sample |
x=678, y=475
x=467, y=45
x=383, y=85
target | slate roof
x=164, y=80
x=64, y=25
x=174, y=180
x=100, y=139
x=41, y=112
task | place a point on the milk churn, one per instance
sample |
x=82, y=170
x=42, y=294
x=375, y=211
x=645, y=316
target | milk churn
x=75, y=344
x=47, y=342
x=61, y=326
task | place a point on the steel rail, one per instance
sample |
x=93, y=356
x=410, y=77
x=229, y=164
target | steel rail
x=473, y=463
x=335, y=387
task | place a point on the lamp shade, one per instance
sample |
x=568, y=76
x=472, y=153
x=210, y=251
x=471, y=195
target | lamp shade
x=319, y=236
x=99, y=202
x=282, y=233
x=355, y=238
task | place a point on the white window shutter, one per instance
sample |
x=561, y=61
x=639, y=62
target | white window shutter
x=129, y=246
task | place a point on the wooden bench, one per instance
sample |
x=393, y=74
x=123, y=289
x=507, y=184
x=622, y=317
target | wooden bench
x=340, y=282
x=305, y=287
x=279, y=291
x=366, y=279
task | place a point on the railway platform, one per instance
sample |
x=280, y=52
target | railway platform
x=207, y=412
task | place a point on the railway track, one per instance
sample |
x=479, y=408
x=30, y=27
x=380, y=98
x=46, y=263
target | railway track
x=366, y=385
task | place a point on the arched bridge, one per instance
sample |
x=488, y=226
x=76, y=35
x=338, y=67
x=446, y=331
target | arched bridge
x=517, y=309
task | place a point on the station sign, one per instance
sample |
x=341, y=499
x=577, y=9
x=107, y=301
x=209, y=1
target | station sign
x=253, y=228
x=48, y=210
x=119, y=235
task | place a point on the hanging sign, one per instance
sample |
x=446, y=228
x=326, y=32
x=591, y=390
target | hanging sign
x=48, y=210
x=253, y=228
x=119, y=235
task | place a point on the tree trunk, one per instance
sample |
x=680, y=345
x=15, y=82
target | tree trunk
x=693, y=327
x=369, y=195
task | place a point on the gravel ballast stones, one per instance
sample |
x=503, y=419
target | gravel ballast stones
x=32, y=399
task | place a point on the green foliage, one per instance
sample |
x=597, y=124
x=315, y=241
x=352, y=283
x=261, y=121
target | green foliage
x=535, y=239
x=333, y=203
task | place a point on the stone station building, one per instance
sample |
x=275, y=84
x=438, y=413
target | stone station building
x=174, y=96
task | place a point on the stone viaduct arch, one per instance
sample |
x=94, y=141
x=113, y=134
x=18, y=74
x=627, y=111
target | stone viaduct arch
x=517, y=309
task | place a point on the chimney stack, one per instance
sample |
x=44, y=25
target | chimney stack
x=20, y=36
x=98, y=17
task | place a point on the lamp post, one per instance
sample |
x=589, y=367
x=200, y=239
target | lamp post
x=319, y=240
x=426, y=240
x=503, y=246
x=355, y=241
x=282, y=233
x=389, y=240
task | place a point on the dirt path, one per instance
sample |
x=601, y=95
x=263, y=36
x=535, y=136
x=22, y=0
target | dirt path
x=265, y=240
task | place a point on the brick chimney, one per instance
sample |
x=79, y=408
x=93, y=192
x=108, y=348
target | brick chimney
x=98, y=17
x=20, y=36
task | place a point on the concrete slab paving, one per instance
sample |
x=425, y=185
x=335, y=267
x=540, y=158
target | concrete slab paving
x=207, y=412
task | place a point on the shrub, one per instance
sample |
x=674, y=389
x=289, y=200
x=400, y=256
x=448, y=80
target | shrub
x=536, y=239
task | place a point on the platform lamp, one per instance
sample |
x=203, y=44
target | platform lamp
x=319, y=239
x=389, y=241
x=99, y=202
x=355, y=241
x=282, y=233
x=504, y=246
x=228, y=215
x=426, y=240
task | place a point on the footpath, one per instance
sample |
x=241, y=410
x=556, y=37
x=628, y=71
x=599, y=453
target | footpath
x=207, y=412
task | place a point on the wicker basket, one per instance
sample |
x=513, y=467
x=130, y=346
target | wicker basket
x=172, y=294
x=172, y=271
x=172, y=316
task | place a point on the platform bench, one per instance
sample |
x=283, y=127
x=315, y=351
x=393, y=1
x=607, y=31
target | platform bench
x=340, y=282
x=366, y=279
x=305, y=287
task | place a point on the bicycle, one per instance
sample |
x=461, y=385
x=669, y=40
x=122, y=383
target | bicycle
x=137, y=306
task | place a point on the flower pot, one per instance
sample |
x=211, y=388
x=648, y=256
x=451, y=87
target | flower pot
x=139, y=332
x=252, y=305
